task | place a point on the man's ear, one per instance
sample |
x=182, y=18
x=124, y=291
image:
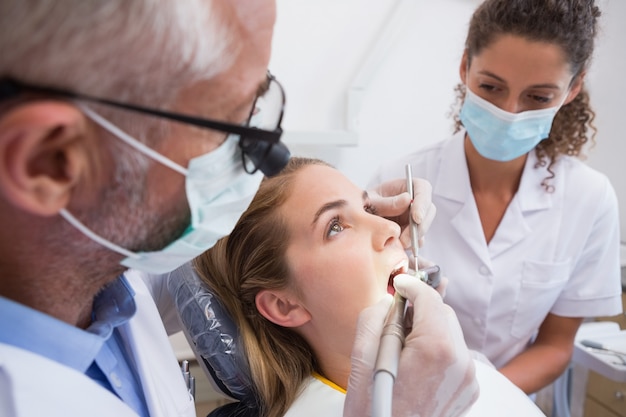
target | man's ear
x=280, y=308
x=42, y=155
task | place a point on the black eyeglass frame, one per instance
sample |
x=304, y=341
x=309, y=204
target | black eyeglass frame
x=10, y=88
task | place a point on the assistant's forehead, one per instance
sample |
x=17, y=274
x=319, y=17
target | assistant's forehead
x=512, y=55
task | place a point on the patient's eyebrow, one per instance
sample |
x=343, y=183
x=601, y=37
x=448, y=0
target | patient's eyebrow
x=334, y=204
x=328, y=206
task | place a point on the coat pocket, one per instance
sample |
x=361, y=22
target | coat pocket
x=539, y=288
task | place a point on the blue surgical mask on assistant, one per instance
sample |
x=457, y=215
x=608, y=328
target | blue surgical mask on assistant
x=218, y=191
x=502, y=136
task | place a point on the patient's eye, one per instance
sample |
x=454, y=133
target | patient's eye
x=335, y=226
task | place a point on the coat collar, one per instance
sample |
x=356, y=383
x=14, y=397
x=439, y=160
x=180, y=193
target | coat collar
x=452, y=180
x=452, y=184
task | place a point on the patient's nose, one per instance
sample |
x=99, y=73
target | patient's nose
x=384, y=233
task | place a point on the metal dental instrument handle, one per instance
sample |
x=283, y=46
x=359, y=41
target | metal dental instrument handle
x=190, y=381
x=432, y=274
x=600, y=346
x=619, y=356
x=412, y=225
x=386, y=367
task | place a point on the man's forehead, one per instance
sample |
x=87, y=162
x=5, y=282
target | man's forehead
x=254, y=15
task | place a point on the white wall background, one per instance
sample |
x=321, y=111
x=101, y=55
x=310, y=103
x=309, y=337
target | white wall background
x=355, y=114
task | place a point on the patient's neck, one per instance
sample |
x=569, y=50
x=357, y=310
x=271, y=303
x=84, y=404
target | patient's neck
x=334, y=365
x=332, y=345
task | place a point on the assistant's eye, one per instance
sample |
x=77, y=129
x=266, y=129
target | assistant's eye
x=487, y=87
x=540, y=99
x=335, y=226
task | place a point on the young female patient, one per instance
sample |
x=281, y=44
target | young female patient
x=303, y=261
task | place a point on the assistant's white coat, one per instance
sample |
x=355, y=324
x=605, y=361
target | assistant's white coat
x=552, y=252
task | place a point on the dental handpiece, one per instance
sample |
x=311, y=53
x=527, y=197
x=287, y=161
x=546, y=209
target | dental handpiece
x=393, y=328
x=393, y=335
x=392, y=338
x=391, y=344
x=386, y=367
x=412, y=225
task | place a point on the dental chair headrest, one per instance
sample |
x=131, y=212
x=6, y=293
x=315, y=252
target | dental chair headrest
x=212, y=335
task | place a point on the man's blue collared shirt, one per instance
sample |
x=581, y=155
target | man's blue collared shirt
x=97, y=351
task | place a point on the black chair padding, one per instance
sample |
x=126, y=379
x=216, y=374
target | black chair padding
x=236, y=409
x=213, y=337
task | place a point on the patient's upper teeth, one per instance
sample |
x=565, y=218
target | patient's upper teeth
x=401, y=267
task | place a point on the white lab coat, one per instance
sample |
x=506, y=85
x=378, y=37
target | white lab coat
x=552, y=252
x=317, y=399
x=32, y=385
x=498, y=397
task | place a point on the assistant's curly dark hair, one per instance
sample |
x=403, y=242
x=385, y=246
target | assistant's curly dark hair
x=571, y=24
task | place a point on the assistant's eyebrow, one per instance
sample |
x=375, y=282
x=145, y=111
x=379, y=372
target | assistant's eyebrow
x=492, y=75
x=502, y=80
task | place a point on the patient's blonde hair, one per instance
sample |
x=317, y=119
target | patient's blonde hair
x=251, y=259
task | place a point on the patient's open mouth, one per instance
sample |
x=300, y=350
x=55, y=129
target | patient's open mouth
x=399, y=269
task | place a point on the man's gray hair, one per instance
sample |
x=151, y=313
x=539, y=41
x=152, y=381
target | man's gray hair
x=141, y=51
x=137, y=51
